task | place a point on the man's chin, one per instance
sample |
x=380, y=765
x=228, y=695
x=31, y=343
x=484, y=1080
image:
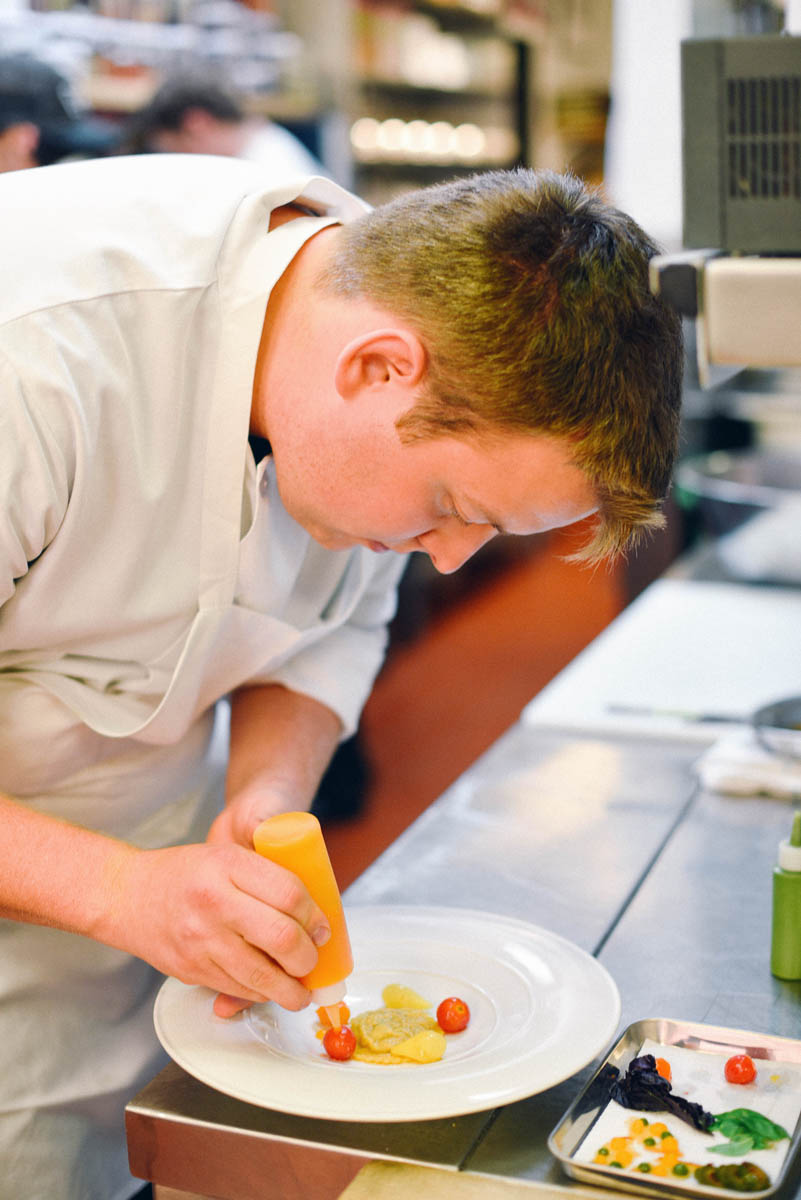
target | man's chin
x=330, y=539
x=334, y=541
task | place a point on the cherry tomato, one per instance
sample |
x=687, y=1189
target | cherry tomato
x=325, y=1020
x=339, y=1043
x=663, y=1069
x=740, y=1069
x=453, y=1015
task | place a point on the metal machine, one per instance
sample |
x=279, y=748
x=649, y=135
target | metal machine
x=740, y=276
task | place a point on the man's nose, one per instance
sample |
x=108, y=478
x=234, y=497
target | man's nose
x=450, y=548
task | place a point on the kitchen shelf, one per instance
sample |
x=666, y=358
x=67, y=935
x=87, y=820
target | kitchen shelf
x=116, y=62
x=462, y=16
x=423, y=91
x=423, y=64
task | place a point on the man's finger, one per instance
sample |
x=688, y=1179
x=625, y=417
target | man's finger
x=228, y=1006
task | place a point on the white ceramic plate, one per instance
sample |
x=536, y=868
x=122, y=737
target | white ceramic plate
x=541, y=1009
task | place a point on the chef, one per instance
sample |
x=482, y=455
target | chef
x=218, y=442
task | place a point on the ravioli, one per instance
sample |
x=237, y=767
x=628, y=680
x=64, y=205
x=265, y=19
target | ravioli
x=397, y=1035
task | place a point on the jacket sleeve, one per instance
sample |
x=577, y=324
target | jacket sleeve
x=340, y=668
x=36, y=468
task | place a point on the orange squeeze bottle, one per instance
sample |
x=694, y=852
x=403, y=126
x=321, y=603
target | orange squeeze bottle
x=295, y=840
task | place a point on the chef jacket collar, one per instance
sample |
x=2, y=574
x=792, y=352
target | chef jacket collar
x=253, y=258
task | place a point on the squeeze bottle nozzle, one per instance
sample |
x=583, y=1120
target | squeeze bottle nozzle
x=790, y=848
x=295, y=840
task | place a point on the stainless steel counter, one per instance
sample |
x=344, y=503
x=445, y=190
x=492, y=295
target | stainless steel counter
x=602, y=839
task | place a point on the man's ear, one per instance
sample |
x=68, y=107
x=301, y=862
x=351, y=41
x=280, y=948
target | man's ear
x=379, y=358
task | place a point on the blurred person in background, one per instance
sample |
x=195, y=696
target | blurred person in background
x=39, y=121
x=187, y=115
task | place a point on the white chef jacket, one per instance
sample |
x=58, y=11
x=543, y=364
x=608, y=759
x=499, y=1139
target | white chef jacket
x=147, y=568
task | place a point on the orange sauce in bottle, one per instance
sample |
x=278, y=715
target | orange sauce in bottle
x=295, y=840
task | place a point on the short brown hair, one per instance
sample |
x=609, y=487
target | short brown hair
x=531, y=296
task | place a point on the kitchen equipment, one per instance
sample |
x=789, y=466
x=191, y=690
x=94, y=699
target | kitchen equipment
x=778, y=726
x=741, y=147
x=729, y=487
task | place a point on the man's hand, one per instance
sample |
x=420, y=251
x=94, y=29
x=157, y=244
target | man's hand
x=220, y=916
x=280, y=745
x=238, y=820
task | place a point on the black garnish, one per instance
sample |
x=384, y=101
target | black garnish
x=644, y=1088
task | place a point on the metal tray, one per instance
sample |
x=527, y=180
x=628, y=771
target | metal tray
x=586, y=1109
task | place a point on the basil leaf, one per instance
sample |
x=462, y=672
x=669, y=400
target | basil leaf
x=744, y=1121
x=728, y=1126
x=735, y=1148
x=767, y=1128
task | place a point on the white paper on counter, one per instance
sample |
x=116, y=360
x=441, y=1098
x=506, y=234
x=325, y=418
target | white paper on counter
x=680, y=650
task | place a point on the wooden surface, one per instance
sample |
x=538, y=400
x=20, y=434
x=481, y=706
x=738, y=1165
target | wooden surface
x=399, y=1181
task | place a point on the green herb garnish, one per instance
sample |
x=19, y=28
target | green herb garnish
x=746, y=1130
x=736, y=1147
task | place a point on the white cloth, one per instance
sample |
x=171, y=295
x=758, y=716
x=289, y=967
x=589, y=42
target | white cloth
x=767, y=546
x=738, y=765
x=147, y=567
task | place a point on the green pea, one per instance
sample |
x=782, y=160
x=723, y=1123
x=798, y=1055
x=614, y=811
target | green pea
x=604, y=1150
x=649, y=1142
x=616, y=1164
x=681, y=1169
x=644, y=1167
